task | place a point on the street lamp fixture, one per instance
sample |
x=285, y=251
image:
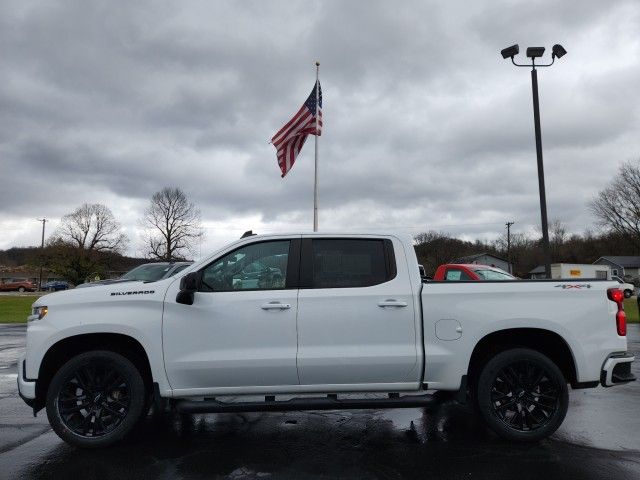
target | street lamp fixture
x=557, y=51
x=535, y=52
x=510, y=52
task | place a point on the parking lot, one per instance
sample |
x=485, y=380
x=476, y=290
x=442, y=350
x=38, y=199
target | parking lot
x=599, y=439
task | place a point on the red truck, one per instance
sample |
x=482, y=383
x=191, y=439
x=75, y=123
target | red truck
x=458, y=272
x=17, y=285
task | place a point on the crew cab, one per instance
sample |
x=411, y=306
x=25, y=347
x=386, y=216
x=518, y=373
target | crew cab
x=315, y=317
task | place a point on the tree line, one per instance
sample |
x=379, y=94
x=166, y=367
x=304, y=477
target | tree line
x=435, y=248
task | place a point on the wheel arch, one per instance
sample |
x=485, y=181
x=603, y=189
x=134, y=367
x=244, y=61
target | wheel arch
x=547, y=342
x=65, y=349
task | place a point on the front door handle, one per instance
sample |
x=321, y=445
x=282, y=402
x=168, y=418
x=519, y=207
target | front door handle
x=275, y=306
x=392, y=303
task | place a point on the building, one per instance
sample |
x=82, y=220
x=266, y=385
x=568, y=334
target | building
x=537, y=272
x=621, y=266
x=573, y=270
x=486, y=259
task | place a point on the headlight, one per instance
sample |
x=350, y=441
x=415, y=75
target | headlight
x=39, y=313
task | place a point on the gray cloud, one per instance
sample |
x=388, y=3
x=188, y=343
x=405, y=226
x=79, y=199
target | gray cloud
x=425, y=125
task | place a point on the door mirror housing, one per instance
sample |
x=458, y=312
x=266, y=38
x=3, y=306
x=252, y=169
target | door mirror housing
x=188, y=287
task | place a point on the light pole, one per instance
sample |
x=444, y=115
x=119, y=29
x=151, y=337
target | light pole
x=557, y=51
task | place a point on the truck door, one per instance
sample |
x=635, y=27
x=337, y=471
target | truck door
x=356, y=316
x=241, y=329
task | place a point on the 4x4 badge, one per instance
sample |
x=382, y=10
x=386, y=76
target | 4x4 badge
x=565, y=286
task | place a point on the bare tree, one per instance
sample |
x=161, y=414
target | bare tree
x=91, y=227
x=559, y=236
x=83, y=242
x=174, y=224
x=521, y=249
x=617, y=207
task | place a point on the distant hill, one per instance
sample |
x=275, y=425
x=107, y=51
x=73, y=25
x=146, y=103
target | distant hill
x=23, y=256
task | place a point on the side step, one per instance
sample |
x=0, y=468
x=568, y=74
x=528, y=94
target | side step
x=331, y=402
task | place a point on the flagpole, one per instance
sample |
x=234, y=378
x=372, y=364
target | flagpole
x=315, y=177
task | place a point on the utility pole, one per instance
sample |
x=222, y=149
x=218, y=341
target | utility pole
x=508, y=225
x=43, y=220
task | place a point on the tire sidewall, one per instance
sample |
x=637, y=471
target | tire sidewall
x=137, y=392
x=485, y=383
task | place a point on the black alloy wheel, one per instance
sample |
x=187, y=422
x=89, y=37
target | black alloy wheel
x=522, y=395
x=95, y=399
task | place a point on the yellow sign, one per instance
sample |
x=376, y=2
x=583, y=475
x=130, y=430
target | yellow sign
x=575, y=273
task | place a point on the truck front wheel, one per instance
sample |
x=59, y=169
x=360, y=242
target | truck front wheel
x=522, y=395
x=95, y=399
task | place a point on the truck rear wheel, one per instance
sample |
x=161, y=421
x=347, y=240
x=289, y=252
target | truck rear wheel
x=522, y=395
x=95, y=399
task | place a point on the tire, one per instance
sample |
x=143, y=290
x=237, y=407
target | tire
x=522, y=395
x=95, y=399
x=21, y=289
x=628, y=293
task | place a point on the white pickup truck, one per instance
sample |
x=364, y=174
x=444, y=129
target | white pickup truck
x=301, y=320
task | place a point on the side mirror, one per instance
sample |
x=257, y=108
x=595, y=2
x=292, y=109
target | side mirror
x=188, y=286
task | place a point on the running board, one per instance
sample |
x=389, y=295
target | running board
x=331, y=402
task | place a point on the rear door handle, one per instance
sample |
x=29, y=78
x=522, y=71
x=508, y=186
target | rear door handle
x=275, y=306
x=392, y=303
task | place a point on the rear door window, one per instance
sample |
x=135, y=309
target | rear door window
x=349, y=263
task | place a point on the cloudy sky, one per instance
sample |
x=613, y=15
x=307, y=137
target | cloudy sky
x=426, y=127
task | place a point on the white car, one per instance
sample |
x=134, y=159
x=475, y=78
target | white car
x=349, y=315
x=628, y=288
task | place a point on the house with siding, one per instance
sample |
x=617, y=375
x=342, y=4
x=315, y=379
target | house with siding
x=621, y=265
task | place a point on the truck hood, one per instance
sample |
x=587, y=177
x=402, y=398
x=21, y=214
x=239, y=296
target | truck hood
x=100, y=293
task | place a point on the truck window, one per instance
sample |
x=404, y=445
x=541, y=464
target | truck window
x=488, y=274
x=343, y=263
x=259, y=266
x=456, y=275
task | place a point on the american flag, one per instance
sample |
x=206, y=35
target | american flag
x=290, y=138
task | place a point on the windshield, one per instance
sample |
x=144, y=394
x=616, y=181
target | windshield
x=179, y=268
x=147, y=273
x=494, y=274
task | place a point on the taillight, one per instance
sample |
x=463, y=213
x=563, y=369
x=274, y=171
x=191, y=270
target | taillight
x=621, y=323
x=616, y=295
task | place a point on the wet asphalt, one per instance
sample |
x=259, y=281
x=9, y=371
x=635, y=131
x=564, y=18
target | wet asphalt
x=600, y=438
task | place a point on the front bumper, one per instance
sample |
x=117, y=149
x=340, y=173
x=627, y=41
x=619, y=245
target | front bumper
x=617, y=370
x=26, y=388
